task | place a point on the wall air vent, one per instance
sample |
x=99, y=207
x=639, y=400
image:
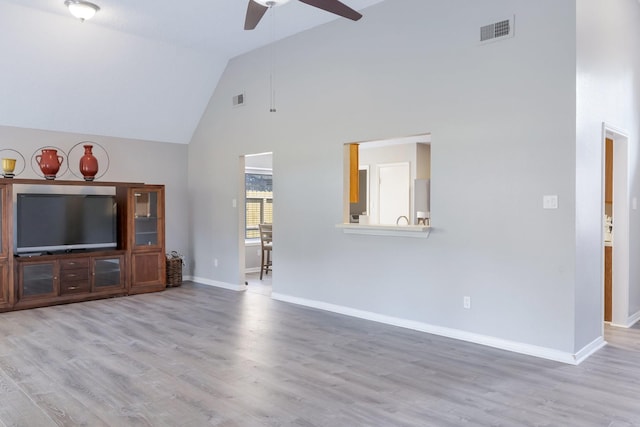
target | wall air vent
x=238, y=100
x=497, y=31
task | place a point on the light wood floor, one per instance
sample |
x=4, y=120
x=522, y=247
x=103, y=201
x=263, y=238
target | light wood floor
x=255, y=285
x=201, y=356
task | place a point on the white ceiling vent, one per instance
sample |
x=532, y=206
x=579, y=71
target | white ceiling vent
x=238, y=100
x=497, y=31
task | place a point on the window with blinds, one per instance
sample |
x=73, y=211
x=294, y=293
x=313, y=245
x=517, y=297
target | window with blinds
x=258, y=203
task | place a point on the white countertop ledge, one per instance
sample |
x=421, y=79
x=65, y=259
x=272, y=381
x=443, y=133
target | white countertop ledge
x=419, y=231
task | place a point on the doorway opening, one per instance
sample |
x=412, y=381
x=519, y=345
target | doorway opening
x=608, y=228
x=387, y=182
x=615, y=220
x=256, y=208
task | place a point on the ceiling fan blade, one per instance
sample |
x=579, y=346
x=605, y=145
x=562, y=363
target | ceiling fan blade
x=255, y=12
x=334, y=6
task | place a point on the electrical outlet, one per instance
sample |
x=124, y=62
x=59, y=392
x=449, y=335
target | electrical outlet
x=466, y=302
x=550, y=201
x=215, y=262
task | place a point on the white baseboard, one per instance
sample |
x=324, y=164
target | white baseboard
x=589, y=349
x=517, y=347
x=632, y=320
x=224, y=285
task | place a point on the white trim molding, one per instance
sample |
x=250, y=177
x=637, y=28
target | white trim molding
x=588, y=350
x=215, y=283
x=514, y=346
x=421, y=231
x=631, y=320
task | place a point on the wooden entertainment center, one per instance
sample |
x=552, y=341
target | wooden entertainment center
x=136, y=265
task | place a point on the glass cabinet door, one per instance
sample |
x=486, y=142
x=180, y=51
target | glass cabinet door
x=2, y=193
x=37, y=280
x=107, y=273
x=6, y=279
x=146, y=218
x=5, y=205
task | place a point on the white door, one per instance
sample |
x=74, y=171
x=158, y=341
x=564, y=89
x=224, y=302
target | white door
x=394, y=189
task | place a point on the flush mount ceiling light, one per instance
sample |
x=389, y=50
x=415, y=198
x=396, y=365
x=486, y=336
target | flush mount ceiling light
x=82, y=10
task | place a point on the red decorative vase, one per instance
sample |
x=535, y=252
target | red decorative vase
x=88, y=164
x=49, y=162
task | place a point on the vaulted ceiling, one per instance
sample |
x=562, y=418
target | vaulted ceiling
x=142, y=69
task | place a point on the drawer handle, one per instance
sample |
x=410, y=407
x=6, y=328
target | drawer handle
x=71, y=288
x=71, y=275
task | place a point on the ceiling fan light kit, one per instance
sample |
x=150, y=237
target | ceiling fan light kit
x=269, y=3
x=257, y=8
x=81, y=9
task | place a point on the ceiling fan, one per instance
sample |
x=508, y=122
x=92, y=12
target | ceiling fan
x=257, y=9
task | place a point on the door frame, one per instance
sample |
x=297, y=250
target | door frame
x=240, y=204
x=620, y=215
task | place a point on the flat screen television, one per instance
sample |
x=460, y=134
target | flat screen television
x=65, y=222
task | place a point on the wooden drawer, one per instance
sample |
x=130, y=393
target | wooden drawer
x=68, y=264
x=75, y=275
x=73, y=287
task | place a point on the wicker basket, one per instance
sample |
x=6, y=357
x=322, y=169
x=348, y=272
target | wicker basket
x=174, y=271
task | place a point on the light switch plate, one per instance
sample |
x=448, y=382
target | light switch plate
x=550, y=202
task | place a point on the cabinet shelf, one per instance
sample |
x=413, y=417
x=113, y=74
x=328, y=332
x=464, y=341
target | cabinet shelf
x=68, y=182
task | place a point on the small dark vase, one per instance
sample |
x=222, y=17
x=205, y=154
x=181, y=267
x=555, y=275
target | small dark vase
x=88, y=164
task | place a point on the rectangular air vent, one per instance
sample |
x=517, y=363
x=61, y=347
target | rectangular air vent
x=497, y=30
x=238, y=100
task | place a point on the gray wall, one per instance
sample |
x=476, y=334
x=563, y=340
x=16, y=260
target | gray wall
x=89, y=78
x=129, y=161
x=502, y=120
x=608, y=70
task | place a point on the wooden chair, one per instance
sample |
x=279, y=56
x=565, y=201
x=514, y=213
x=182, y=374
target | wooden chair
x=266, y=244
